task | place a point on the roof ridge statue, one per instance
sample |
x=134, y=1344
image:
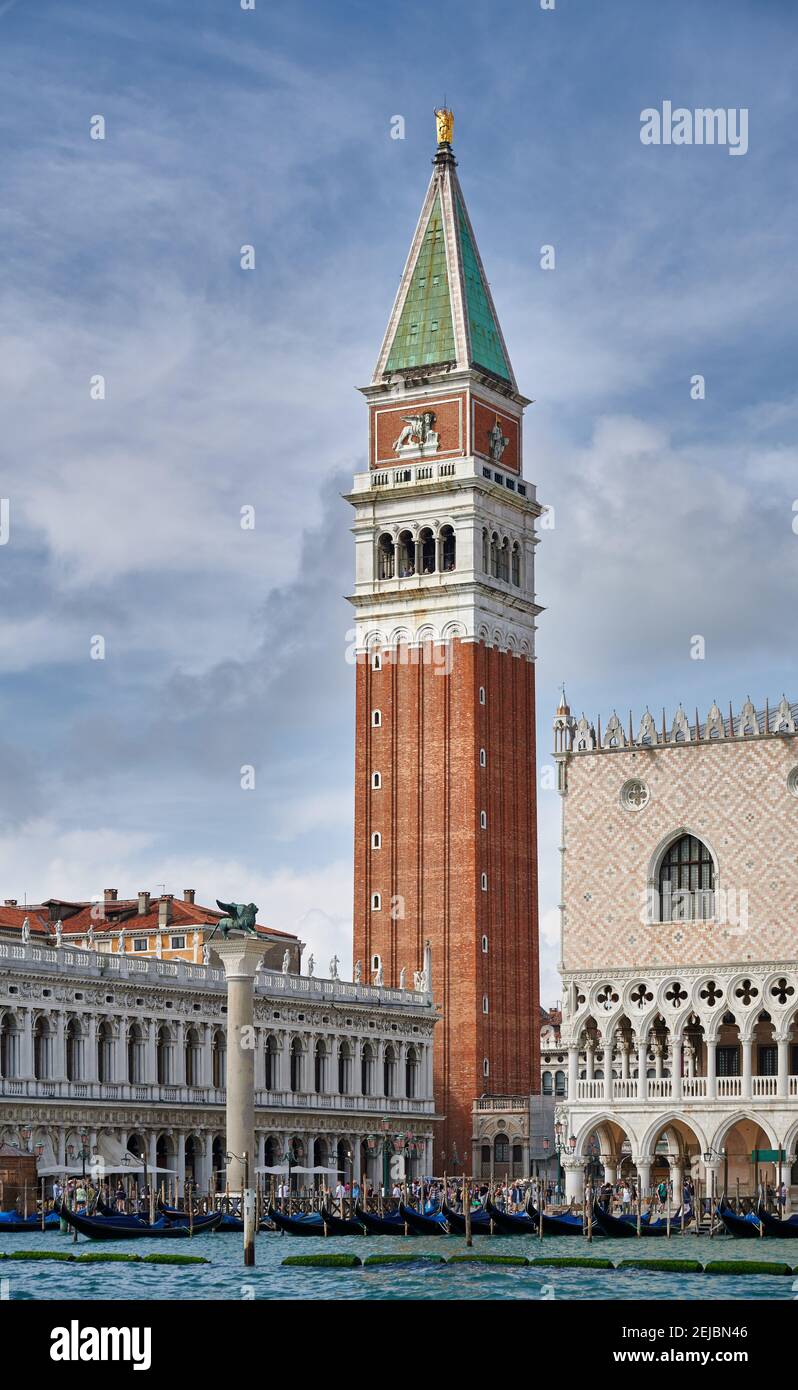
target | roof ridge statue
x=240, y=919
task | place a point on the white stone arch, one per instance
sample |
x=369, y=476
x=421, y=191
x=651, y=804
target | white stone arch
x=655, y=864
x=745, y=1015
x=657, y=1127
x=498, y=638
x=786, y=1011
x=643, y=1023
x=632, y=1008
x=702, y=1006
x=512, y=644
x=599, y=1011
x=427, y=633
x=374, y=638
x=670, y=1012
x=452, y=630
x=399, y=636
x=483, y=635
x=789, y=1142
x=729, y=1121
x=599, y=1125
x=525, y=649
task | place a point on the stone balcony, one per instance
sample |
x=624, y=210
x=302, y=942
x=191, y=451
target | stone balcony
x=691, y=1088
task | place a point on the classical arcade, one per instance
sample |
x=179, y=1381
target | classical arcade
x=103, y=1055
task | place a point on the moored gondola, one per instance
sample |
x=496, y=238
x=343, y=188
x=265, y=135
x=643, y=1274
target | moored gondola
x=625, y=1227
x=100, y=1228
x=424, y=1223
x=11, y=1223
x=480, y=1221
x=341, y=1225
x=741, y=1227
x=776, y=1226
x=300, y=1224
x=389, y=1223
x=563, y=1224
x=510, y=1223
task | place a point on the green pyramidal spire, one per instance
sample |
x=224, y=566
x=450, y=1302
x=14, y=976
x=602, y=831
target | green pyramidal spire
x=444, y=314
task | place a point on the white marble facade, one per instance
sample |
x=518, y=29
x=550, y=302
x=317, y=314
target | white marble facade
x=108, y=1053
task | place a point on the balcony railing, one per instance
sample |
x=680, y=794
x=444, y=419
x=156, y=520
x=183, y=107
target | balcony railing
x=507, y=1103
x=304, y=1100
x=693, y=1088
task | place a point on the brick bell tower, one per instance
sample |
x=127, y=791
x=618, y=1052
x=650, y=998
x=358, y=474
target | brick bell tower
x=445, y=805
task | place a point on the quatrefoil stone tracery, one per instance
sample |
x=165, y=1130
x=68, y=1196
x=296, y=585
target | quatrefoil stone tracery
x=641, y=996
x=782, y=991
x=712, y=993
x=607, y=997
x=676, y=995
x=747, y=992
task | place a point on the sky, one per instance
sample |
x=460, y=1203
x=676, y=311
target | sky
x=224, y=388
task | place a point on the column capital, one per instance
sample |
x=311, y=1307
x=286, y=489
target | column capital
x=239, y=956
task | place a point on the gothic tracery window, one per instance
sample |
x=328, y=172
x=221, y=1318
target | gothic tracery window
x=687, y=882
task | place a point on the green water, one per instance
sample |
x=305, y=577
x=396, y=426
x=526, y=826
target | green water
x=226, y=1278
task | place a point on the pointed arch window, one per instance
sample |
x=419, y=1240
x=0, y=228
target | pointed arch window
x=687, y=882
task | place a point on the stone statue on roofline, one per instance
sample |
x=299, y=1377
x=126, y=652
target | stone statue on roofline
x=358, y=974
x=286, y=961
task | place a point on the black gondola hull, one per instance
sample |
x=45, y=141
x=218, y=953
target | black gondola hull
x=377, y=1225
x=480, y=1222
x=506, y=1223
x=98, y=1228
x=555, y=1225
x=422, y=1224
x=774, y=1226
x=295, y=1226
x=737, y=1226
x=341, y=1225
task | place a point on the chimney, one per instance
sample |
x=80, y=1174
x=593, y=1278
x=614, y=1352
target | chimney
x=10, y=902
x=144, y=904
x=110, y=894
x=164, y=910
x=188, y=895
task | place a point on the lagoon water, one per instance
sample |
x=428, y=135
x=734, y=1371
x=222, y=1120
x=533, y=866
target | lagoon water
x=226, y=1278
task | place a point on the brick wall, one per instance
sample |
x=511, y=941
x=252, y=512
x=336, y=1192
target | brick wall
x=434, y=853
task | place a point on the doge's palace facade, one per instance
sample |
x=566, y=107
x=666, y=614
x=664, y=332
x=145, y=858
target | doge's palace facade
x=679, y=940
